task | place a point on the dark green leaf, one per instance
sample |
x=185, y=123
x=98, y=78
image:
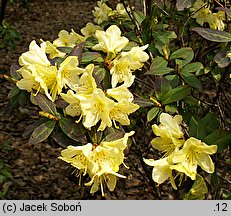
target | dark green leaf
x=139, y=16
x=159, y=67
x=185, y=53
x=14, y=73
x=193, y=67
x=42, y=132
x=176, y=94
x=220, y=138
x=222, y=59
x=29, y=130
x=65, y=49
x=14, y=91
x=12, y=105
x=99, y=74
x=73, y=130
x=211, y=122
x=88, y=57
x=115, y=135
x=77, y=51
x=63, y=140
x=191, y=80
x=142, y=102
x=45, y=104
x=197, y=128
x=182, y=4
x=213, y=35
x=152, y=113
x=1, y=164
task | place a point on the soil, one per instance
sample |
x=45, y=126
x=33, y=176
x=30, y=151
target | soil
x=37, y=173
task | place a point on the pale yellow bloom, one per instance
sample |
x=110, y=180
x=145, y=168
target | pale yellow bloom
x=69, y=72
x=101, y=12
x=194, y=153
x=73, y=109
x=198, y=190
x=124, y=106
x=35, y=55
x=65, y=39
x=121, y=10
x=169, y=132
x=77, y=156
x=162, y=170
x=111, y=40
x=90, y=29
x=217, y=21
x=96, y=108
x=52, y=50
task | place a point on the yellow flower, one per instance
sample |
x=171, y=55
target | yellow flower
x=124, y=106
x=77, y=156
x=121, y=72
x=96, y=108
x=121, y=10
x=194, y=153
x=90, y=29
x=52, y=50
x=28, y=81
x=73, y=109
x=69, y=72
x=101, y=12
x=217, y=21
x=169, y=132
x=111, y=40
x=198, y=190
x=35, y=55
x=65, y=39
x=162, y=170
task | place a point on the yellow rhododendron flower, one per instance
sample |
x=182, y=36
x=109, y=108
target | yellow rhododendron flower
x=111, y=40
x=124, y=106
x=120, y=9
x=126, y=63
x=69, y=72
x=194, y=153
x=52, y=50
x=73, y=109
x=169, y=132
x=90, y=29
x=96, y=108
x=35, y=55
x=162, y=170
x=65, y=39
x=101, y=12
x=217, y=21
x=100, y=161
x=198, y=190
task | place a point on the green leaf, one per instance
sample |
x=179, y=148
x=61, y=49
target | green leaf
x=42, y=132
x=114, y=135
x=88, y=57
x=191, y=80
x=197, y=128
x=185, y=53
x=220, y=138
x=182, y=4
x=73, y=130
x=222, y=59
x=99, y=74
x=142, y=102
x=159, y=67
x=1, y=164
x=152, y=113
x=45, y=104
x=77, y=51
x=211, y=122
x=193, y=67
x=63, y=140
x=139, y=16
x=12, y=105
x=176, y=94
x=213, y=35
x=14, y=91
x=14, y=73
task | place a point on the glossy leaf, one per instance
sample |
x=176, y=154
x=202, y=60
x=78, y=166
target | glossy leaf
x=114, y=135
x=185, y=54
x=213, y=35
x=182, y=4
x=222, y=59
x=73, y=130
x=142, y=102
x=159, y=67
x=193, y=67
x=14, y=91
x=42, y=132
x=45, y=104
x=220, y=138
x=197, y=128
x=152, y=113
x=191, y=80
x=77, y=51
x=176, y=94
x=88, y=57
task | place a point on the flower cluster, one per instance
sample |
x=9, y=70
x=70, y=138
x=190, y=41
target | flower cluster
x=182, y=156
x=100, y=161
x=203, y=14
x=84, y=95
